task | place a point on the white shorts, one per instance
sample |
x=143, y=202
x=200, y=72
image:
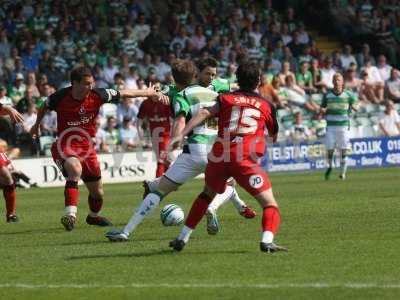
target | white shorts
x=337, y=137
x=186, y=166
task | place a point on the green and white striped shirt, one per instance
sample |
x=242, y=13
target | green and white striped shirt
x=338, y=108
x=188, y=103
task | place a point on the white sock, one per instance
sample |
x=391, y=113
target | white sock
x=185, y=234
x=220, y=199
x=93, y=214
x=71, y=210
x=146, y=207
x=267, y=237
x=237, y=202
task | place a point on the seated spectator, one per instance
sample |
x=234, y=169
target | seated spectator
x=286, y=71
x=128, y=135
x=393, y=86
x=316, y=75
x=17, y=91
x=111, y=137
x=270, y=91
x=48, y=126
x=126, y=110
x=299, y=131
x=346, y=58
x=23, y=130
x=304, y=78
x=31, y=84
x=4, y=99
x=383, y=68
x=389, y=124
x=327, y=73
x=23, y=105
x=364, y=55
x=351, y=80
x=295, y=95
x=374, y=82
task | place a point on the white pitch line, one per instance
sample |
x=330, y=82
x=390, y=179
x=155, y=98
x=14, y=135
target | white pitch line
x=203, y=285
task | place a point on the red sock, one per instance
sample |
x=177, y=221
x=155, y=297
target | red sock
x=160, y=169
x=71, y=193
x=95, y=205
x=11, y=198
x=198, y=210
x=271, y=219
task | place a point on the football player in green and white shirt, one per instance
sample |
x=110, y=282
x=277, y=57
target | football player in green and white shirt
x=186, y=102
x=337, y=105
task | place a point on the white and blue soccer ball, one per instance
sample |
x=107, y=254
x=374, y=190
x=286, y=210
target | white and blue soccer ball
x=172, y=215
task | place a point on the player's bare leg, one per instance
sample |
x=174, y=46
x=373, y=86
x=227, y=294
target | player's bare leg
x=95, y=201
x=343, y=163
x=270, y=221
x=73, y=168
x=330, y=163
x=9, y=194
x=196, y=213
x=149, y=203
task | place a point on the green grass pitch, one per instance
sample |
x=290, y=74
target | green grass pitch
x=343, y=238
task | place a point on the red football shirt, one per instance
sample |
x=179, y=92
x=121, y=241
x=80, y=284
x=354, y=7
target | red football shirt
x=158, y=115
x=242, y=120
x=76, y=118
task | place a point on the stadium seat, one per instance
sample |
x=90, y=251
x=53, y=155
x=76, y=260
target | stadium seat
x=354, y=132
x=363, y=121
x=367, y=131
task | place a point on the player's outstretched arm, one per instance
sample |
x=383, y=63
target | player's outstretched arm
x=14, y=115
x=149, y=92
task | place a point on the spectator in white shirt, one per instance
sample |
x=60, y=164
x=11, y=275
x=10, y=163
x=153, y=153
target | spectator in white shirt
x=128, y=135
x=327, y=73
x=4, y=99
x=390, y=123
x=299, y=131
x=383, y=68
x=141, y=29
x=346, y=58
x=109, y=71
x=126, y=110
x=374, y=81
x=303, y=35
x=198, y=39
x=393, y=85
x=48, y=126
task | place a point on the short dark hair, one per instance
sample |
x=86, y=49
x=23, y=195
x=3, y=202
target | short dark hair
x=184, y=71
x=206, y=62
x=78, y=73
x=248, y=76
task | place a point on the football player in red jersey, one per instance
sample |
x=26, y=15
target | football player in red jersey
x=158, y=115
x=74, y=151
x=6, y=181
x=243, y=117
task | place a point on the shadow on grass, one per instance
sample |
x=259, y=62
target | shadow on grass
x=155, y=253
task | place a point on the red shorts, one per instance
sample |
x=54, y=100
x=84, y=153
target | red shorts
x=248, y=174
x=88, y=159
x=4, y=161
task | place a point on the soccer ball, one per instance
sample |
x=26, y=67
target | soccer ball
x=172, y=215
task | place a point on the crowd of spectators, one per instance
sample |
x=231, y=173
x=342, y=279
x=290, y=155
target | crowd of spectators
x=131, y=43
